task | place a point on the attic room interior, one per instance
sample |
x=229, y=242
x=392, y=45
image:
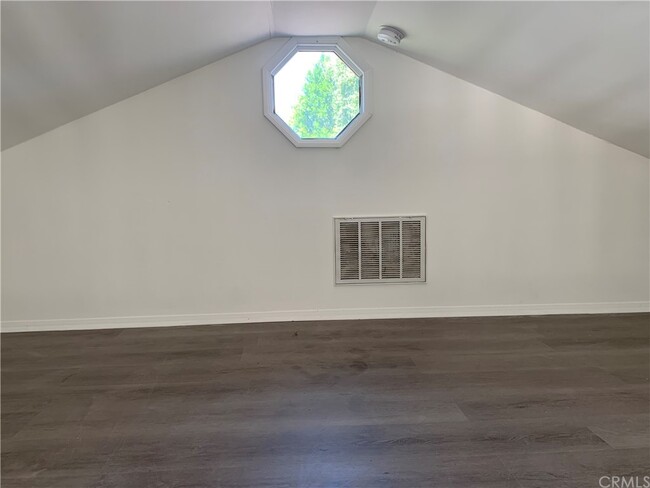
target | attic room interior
x=321, y=244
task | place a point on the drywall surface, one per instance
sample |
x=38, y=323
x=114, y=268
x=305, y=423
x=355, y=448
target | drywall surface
x=184, y=201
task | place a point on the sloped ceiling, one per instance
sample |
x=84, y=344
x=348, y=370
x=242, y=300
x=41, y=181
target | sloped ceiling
x=584, y=63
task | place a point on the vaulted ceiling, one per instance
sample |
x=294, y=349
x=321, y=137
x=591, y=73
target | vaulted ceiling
x=584, y=63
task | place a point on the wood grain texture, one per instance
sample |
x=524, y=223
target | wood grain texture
x=462, y=402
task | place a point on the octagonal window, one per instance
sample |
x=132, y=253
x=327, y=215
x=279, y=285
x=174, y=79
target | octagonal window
x=315, y=93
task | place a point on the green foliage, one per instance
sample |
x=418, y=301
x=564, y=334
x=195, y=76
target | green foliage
x=329, y=102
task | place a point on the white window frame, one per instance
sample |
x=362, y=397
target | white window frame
x=342, y=50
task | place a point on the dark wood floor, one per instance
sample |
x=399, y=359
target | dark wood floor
x=555, y=401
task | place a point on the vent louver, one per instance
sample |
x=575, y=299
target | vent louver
x=380, y=249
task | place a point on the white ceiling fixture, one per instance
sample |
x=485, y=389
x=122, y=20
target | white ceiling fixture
x=583, y=63
x=390, y=35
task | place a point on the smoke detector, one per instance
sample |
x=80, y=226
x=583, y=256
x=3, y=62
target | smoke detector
x=390, y=35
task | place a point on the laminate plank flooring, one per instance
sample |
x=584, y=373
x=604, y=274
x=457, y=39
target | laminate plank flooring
x=550, y=401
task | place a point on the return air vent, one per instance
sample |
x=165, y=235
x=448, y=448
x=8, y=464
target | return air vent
x=380, y=249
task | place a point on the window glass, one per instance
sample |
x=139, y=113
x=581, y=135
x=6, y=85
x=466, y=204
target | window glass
x=316, y=94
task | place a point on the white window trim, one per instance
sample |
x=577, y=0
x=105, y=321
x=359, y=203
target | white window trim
x=343, y=50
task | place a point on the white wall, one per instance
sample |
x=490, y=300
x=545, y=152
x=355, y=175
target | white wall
x=184, y=200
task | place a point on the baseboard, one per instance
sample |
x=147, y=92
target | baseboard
x=323, y=314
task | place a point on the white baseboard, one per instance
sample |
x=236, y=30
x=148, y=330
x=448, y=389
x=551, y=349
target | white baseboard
x=324, y=314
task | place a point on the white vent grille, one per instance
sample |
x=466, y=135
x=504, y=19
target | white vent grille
x=380, y=249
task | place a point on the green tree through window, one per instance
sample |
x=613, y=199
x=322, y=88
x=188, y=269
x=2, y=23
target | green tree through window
x=329, y=100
